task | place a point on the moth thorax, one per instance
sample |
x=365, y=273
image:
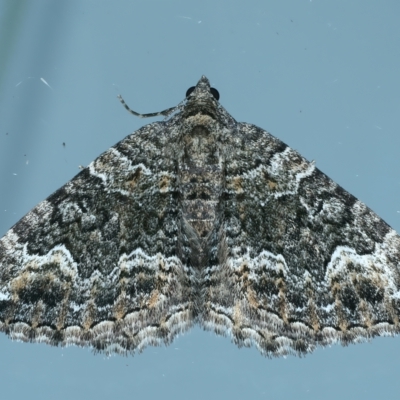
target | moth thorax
x=200, y=179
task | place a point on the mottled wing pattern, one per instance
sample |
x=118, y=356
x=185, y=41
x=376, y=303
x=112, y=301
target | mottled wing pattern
x=200, y=219
x=98, y=262
x=302, y=262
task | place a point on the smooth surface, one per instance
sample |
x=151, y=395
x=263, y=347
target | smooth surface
x=320, y=75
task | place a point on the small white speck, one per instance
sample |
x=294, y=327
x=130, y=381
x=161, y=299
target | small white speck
x=4, y=296
x=43, y=80
x=14, y=173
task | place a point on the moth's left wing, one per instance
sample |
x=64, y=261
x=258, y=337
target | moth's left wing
x=98, y=263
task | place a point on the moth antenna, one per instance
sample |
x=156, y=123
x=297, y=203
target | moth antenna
x=149, y=115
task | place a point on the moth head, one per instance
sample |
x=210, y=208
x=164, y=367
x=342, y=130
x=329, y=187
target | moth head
x=202, y=99
x=203, y=86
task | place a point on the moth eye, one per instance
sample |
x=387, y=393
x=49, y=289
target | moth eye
x=189, y=91
x=215, y=93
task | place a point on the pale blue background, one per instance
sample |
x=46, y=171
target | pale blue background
x=323, y=76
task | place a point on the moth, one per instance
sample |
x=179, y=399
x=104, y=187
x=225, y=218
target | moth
x=200, y=219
